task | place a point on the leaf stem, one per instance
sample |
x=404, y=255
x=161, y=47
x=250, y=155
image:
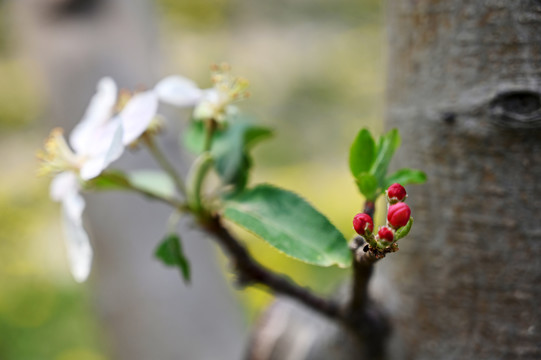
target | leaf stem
x=210, y=127
x=164, y=162
x=124, y=183
x=171, y=202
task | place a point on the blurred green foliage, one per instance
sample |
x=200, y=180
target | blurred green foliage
x=43, y=321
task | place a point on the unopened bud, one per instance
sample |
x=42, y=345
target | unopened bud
x=398, y=215
x=386, y=234
x=361, y=222
x=396, y=193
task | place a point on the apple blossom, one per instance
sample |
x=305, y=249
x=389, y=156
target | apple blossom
x=97, y=140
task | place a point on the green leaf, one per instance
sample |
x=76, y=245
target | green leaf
x=169, y=251
x=193, y=136
x=156, y=182
x=230, y=148
x=289, y=223
x=385, y=149
x=368, y=186
x=404, y=230
x=405, y=176
x=362, y=153
x=240, y=179
x=109, y=180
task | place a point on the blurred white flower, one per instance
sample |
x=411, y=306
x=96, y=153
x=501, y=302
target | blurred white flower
x=97, y=140
x=214, y=103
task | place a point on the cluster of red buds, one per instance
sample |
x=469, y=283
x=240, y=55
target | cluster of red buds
x=398, y=224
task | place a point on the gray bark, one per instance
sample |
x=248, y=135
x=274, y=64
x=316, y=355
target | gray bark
x=465, y=91
x=290, y=331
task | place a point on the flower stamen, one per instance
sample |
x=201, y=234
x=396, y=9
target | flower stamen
x=57, y=155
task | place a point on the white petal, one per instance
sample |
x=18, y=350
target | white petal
x=63, y=185
x=116, y=147
x=178, y=91
x=77, y=242
x=97, y=114
x=92, y=168
x=102, y=138
x=137, y=115
x=73, y=206
x=107, y=148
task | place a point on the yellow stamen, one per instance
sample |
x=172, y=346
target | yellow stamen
x=57, y=155
x=231, y=88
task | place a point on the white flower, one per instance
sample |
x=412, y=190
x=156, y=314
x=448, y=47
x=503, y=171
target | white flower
x=97, y=140
x=214, y=103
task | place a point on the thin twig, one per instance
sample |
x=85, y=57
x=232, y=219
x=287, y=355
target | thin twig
x=124, y=183
x=164, y=162
x=171, y=202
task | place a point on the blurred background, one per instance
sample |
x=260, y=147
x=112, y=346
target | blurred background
x=316, y=77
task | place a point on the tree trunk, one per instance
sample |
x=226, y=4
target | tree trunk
x=465, y=91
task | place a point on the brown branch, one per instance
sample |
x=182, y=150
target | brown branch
x=363, y=265
x=365, y=318
x=250, y=271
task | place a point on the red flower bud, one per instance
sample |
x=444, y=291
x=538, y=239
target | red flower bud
x=361, y=222
x=398, y=215
x=386, y=234
x=396, y=192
